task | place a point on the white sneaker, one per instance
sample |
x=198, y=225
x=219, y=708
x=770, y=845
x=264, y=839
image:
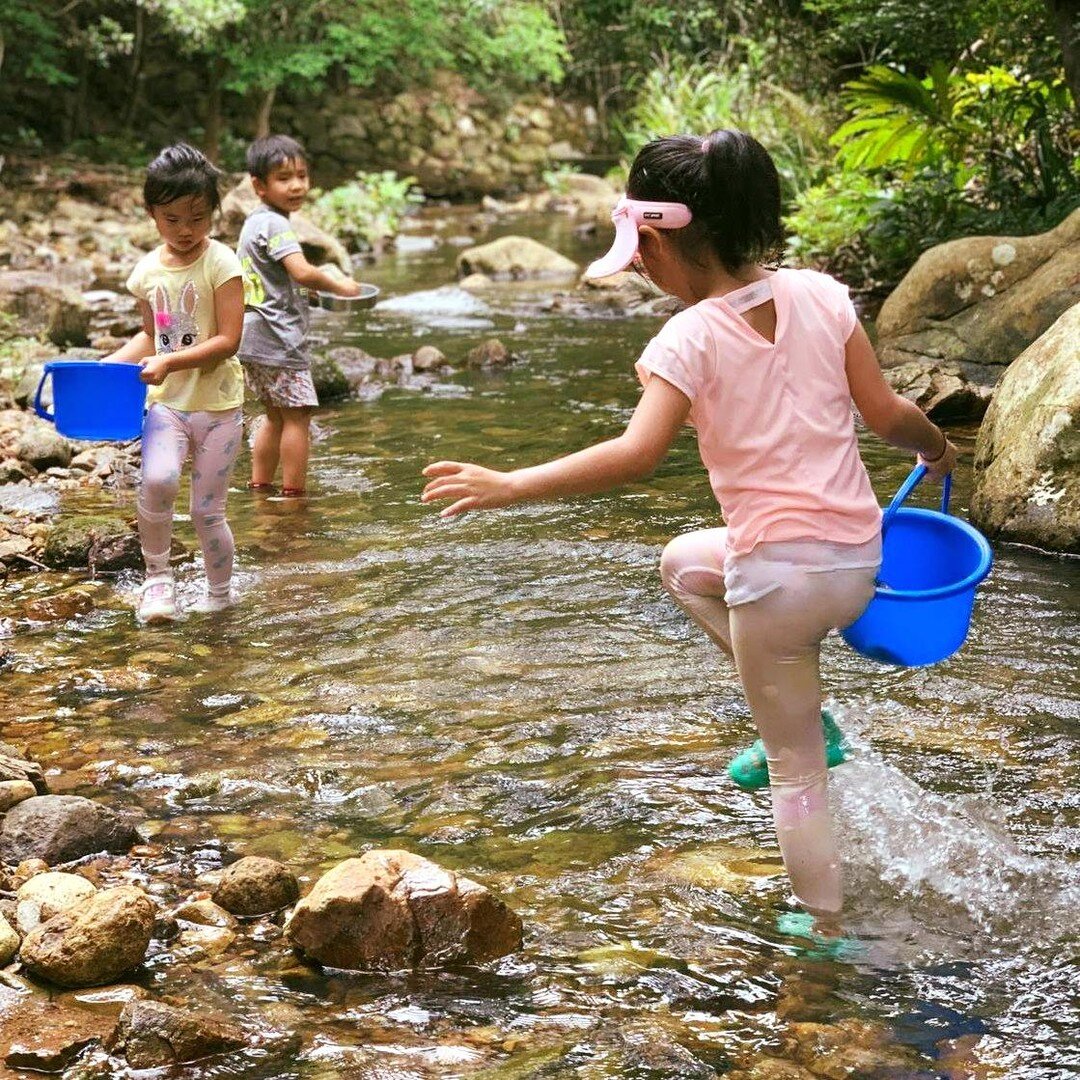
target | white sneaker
x=210, y=602
x=157, y=600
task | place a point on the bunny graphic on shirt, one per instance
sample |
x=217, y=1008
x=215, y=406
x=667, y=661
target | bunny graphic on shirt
x=175, y=328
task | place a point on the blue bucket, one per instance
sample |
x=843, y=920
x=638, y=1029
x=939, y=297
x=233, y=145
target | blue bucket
x=93, y=399
x=931, y=565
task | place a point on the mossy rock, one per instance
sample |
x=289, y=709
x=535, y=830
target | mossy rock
x=330, y=381
x=71, y=540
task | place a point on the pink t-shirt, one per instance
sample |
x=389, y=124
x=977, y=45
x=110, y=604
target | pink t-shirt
x=774, y=421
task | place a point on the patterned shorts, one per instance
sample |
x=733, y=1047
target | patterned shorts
x=288, y=388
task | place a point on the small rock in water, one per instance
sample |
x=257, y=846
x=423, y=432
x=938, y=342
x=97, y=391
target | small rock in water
x=256, y=886
x=152, y=1035
x=428, y=358
x=492, y=353
x=205, y=913
x=391, y=910
x=9, y=942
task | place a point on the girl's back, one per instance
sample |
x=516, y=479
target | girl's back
x=774, y=418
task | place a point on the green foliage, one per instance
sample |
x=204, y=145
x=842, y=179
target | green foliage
x=918, y=33
x=926, y=160
x=366, y=212
x=698, y=98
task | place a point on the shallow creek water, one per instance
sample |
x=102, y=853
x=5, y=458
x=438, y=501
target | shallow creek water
x=512, y=695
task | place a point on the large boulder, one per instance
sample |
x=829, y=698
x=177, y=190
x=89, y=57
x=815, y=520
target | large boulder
x=43, y=304
x=319, y=246
x=1027, y=455
x=93, y=943
x=981, y=300
x=152, y=1035
x=515, y=257
x=255, y=886
x=389, y=910
x=60, y=828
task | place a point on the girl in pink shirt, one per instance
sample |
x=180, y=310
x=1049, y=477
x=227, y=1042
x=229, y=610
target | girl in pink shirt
x=765, y=364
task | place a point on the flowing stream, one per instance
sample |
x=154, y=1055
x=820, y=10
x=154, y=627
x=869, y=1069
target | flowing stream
x=512, y=695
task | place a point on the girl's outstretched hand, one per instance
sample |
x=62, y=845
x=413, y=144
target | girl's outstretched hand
x=472, y=487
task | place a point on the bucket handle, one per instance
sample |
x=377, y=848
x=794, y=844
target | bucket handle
x=907, y=487
x=38, y=407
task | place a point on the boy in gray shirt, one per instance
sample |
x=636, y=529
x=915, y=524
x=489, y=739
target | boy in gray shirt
x=273, y=350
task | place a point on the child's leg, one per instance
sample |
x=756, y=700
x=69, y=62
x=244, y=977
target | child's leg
x=267, y=448
x=295, y=447
x=164, y=448
x=692, y=570
x=776, y=641
x=216, y=439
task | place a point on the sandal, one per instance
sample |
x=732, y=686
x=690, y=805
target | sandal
x=750, y=770
x=252, y=486
x=293, y=493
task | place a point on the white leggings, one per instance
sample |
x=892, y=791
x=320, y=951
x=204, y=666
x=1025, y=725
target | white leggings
x=213, y=439
x=775, y=641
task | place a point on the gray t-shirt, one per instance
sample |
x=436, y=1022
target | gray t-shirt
x=276, y=307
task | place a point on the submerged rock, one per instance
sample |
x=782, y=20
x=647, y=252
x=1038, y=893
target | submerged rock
x=49, y=1037
x=428, y=358
x=515, y=257
x=152, y=1035
x=1027, y=455
x=390, y=910
x=60, y=828
x=95, y=942
x=256, y=886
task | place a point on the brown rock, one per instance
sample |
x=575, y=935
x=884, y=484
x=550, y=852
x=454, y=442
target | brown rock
x=152, y=1035
x=45, y=305
x=46, y=895
x=515, y=257
x=428, y=358
x=13, y=792
x=46, y=1037
x=940, y=390
x=256, y=886
x=205, y=913
x=93, y=943
x=983, y=299
x=491, y=353
x=60, y=828
x=392, y=910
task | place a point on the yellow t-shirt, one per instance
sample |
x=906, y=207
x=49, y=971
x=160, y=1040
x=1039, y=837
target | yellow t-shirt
x=182, y=299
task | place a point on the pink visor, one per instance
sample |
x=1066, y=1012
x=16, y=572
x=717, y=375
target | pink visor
x=629, y=215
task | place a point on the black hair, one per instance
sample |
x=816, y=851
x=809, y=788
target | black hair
x=178, y=171
x=731, y=186
x=265, y=155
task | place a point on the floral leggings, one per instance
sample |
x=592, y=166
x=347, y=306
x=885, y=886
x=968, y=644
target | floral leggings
x=770, y=616
x=213, y=440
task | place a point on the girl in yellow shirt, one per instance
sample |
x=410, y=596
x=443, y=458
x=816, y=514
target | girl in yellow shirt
x=191, y=298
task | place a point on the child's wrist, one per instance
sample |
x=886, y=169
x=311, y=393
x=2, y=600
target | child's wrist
x=931, y=460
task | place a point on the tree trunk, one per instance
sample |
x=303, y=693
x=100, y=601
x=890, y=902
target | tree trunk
x=262, y=117
x=135, y=92
x=212, y=138
x=1065, y=15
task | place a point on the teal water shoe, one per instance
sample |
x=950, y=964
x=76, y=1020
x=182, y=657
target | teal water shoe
x=750, y=770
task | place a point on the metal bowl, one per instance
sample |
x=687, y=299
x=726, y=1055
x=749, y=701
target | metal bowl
x=332, y=302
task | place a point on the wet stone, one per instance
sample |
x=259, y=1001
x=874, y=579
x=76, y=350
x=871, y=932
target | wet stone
x=13, y=792
x=94, y=943
x=151, y=1035
x=204, y=912
x=256, y=886
x=9, y=941
x=60, y=828
x=46, y=895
